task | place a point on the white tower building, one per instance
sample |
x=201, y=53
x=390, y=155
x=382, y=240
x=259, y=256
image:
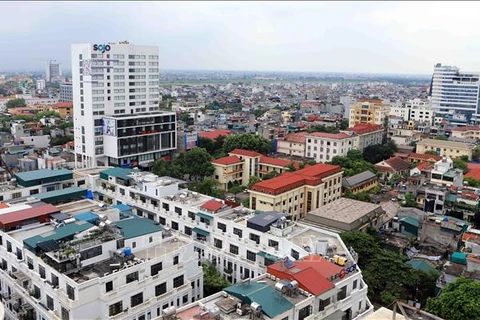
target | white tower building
x=115, y=98
x=455, y=94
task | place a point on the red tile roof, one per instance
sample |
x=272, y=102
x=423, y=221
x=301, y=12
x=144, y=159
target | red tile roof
x=63, y=105
x=212, y=205
x=312, y=175
x=275, y=161
x=473, y=171
x=303, y=271
x=397, y=164
x=365, y=128
x=245, y=153
x=27, y=214
x=424, y=157
x=466, y=128
x=425, y=166
x=329, y=135
x=227, y=160
x=299, y=137
x=214, y=134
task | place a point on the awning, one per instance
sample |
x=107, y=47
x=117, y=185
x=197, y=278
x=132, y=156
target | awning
x=268, y=256
x=204, y=216
x=201, y=232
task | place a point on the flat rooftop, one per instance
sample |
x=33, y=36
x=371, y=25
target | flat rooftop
x=344, y=210
x=159, y=250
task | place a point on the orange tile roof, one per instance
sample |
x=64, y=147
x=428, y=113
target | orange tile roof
x=466, y=128
x=299, y=137
x=63, y=105
x=365, y=128
x=424, y=157
x=274, y=161
x=311, y=175
x=425, y=166
x=212, y=205
x=245, y=153
x=227, y=160
x=473, y=171
x=213, y=134
x=329, y=135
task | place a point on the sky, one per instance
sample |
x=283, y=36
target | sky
x=353, y=37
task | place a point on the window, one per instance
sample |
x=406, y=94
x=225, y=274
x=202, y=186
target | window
x=238, y=232
x=178, y=210
x=255, y=238
x=342, y=294
x=115, y=308
x=174, y=225
x=161, y=289
x=109, y=286
x=273, y=243
x=136, y=299
x=233, y=249
x=304, y=312
x=323, y=303
x=188, y=231
x=185, y=298
x=251, y=256
x=222, y=227
x=156, y=268
x=354, y=284
x=41, y=270
x=131, y=277
x=50, y=304
x=295, y=254
x=175, y=260
x=191, y=215
x=217, y=243
x=162, y=221
x=70, y=292
x=90, y=253
x=54, y=280
x=178, y=281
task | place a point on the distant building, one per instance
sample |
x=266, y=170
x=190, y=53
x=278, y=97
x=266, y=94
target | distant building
x=362, y=182
x=53, y=70
x=414, y=110
x=323, y=146
x=66, y=92
x=64, y=109
x=392, y=166
x=455, y=94
x=369, y=111
x=40, y=84
x=368, y=134
x=445, y=174
x=293, y=144
x=446, y=148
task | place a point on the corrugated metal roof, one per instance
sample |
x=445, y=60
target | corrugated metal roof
x=61, y=192
x=41, y=174
x=27, y=214
x=358, y=179
x=271, y=301
x=121, y=173
x=59, y=233
x=136, y=227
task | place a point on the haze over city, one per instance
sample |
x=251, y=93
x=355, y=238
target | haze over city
x=374, y=37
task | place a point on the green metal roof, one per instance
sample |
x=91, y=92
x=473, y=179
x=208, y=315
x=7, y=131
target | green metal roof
x=205, y=216
x=59, y=193
x=451, y=174
x=121, y=173
x=420, y=265
x=273, y=303
x=59, y=233
x=201, y=232
x=451, y=197
x=136, y=227
x=42, y=174
x=268, y=256
x=410, y=220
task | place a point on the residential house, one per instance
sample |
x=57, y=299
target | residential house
x=392, y=166
x=362, y=182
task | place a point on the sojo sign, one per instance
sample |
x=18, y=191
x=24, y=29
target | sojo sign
x=101, y=47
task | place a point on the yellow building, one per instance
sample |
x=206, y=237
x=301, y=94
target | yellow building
x=362, y=182
x=240, y=165
x=298, y=192
x=369, y=111
x=63, y=109
x=446, y=148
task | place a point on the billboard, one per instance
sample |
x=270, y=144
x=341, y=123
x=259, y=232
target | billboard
x=109, y=127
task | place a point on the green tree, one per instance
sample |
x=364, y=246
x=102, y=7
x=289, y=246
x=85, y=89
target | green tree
x=353, y=163
x=323, y=128
x=441, y=138
x=195, y=163
x=252, y=180
x=209, y=187
x=360, y=196
x=66, y=124
x=291, y=167
x=185, y=117
x=459, y=300
x=14, y=103
x=207, y=144
x=431, y=152
x=46, y=114
x=410, y=200
x=247, y=141
x=213, y=281
x=378, y=152
x=270, y=175
x=460, y=164
x=344, y=124
x=471, y=182
x=164, y=168
x=476, y=154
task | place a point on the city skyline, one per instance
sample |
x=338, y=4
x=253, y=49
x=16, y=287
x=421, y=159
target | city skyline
x=367, y=37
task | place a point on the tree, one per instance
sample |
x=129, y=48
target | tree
x=291, y=167
x=460, y=164
x=344, y=124
x=195, y=163
x=410, y=200
x=164, y=168
x=209, y=187
x=14, y=103
x=185, y=117
x=471, y=182
x=213, y=281
x=476, y=154
x=247, y=141
x=270, y=175
x=353, y=163
x=441, y=137
x=458, y=301
x=378, y=152
x=323, y=128
x=252, y=180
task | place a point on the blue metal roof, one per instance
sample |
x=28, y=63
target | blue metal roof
x=87, y=216
x=58, y=193
x=121, y=173
x=122, y=207
x=272, y=303
x=136, y=227
x=62, y=232
x=42, y=174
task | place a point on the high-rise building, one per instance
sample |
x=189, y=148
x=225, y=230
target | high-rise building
x=66, y=92
x=53, y=70
x=369, y=111
x=117, y=120
x=455, y=94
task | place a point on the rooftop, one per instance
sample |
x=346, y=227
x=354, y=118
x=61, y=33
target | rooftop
x=362, y=128
x=445, y=143
x=344, y=210
x=42, y=174
x=275, y=161
x=136, y=226
x=358, y=179
x=213, y=134
x=329, y=135
x=122, y=173
x=227, y=160
x=245, y=153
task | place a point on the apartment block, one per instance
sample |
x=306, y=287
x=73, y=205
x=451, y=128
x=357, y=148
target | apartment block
x=293, y=144
x=369, y=111
x=446, y=148
x=414, y=110
x=296, y=193
x=323, y=146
